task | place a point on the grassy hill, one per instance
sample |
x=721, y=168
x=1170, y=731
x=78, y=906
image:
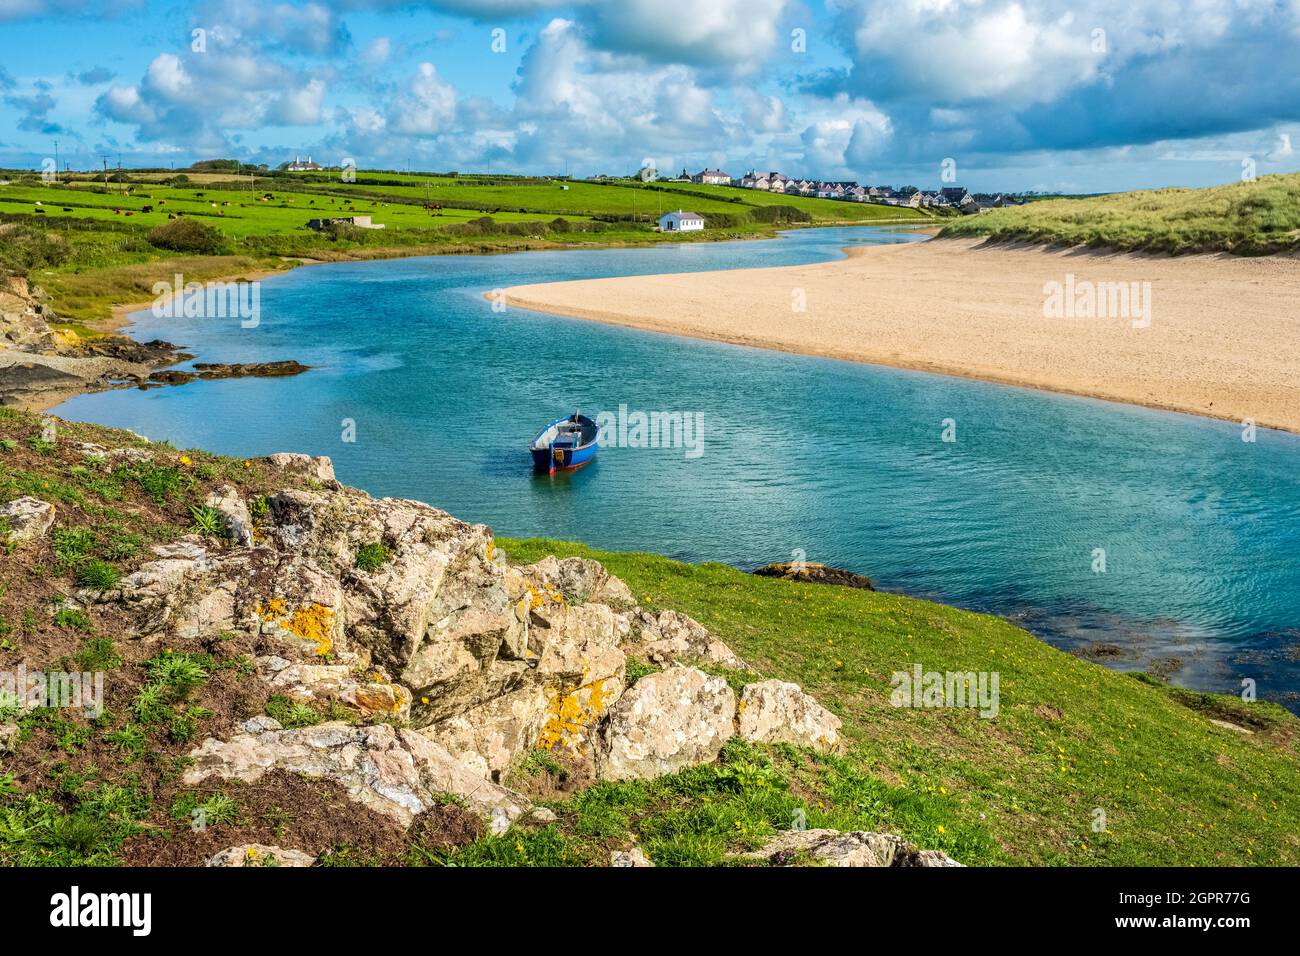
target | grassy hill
x=1023, y=788
x=1246, y=218
x=97, y=251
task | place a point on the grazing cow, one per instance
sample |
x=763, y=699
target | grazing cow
x=147, y=209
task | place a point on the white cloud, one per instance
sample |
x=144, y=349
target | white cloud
x=428, y=107
x=698, y=32
x=299, y=107
x=1281, y=149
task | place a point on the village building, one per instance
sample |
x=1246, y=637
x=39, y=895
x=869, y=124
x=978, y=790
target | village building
x=299, y=166
x=711, y=177
x=681, y=221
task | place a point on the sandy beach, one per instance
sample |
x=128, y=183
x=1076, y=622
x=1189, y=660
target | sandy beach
x=1214, y=335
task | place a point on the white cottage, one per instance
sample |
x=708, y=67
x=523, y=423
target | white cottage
x=680, y=221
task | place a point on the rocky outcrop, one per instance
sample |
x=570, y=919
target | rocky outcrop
x=671, y=636
x=580, y=580
x=317, y=468
x=838, y=848
x=453, y=664
x=259, y=854
x=815, y=574
x=667, y=721
x=25, y=519
x=23, y=317
x=774, y=711
x=395, y=772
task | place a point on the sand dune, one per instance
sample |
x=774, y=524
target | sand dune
x=1221, y=338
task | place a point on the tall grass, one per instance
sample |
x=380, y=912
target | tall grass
x=1246, y=218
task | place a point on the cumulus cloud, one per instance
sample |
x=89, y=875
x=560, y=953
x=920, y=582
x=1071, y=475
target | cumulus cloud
x=427, y=107
x=210, y=97
x=313, y=28
x=713, y=33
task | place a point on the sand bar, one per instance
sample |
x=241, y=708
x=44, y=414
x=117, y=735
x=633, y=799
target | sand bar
x=1223, y=338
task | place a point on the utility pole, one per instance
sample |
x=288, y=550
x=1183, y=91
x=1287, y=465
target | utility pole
x=56, y=160
x=104, y=159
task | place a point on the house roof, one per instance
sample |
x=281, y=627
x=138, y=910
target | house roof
x=682, y=214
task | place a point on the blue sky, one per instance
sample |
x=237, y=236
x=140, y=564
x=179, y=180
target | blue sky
x=1085, y=96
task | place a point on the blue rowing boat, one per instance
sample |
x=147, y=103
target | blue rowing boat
x=565, y=443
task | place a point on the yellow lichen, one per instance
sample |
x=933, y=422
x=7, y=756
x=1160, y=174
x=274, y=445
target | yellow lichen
x=311, y=622
x=570, y=716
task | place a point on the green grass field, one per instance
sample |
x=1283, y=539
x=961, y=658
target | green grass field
x=1246, y=218
x=105, y=256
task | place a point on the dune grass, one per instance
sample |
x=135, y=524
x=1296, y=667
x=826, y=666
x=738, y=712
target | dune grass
x=1071, y=738
x=1246, y=218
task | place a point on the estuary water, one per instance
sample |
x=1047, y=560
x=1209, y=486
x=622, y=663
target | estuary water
x=1165, y=537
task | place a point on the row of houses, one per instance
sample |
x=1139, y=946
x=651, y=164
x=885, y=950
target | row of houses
x=950, y=197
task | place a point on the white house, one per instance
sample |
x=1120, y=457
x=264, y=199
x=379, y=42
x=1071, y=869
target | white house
x=680, y=221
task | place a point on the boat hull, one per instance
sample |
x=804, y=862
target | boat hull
x=560, y=459
x=554, y=450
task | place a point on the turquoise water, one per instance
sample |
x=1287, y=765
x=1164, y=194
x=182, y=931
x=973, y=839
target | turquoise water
x=843, y=463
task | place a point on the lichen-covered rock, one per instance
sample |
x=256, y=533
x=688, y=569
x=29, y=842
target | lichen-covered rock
x=318, y=468
x=395, y=772
x=671, y=636
x=774, y=711
x=259, y=854
x=579, y=580
x=664, y=722
x=25, y=519
x=8, y=735
x=838, y=848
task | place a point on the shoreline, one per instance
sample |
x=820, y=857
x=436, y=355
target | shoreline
x=119, y=319
x=980, y=317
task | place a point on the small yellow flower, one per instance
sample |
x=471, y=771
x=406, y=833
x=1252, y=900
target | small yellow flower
x=424, y=700
x=941, y=830
x=185, y=460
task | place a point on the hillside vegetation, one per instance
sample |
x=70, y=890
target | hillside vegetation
x=1246, y=218
x=1071, y=737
